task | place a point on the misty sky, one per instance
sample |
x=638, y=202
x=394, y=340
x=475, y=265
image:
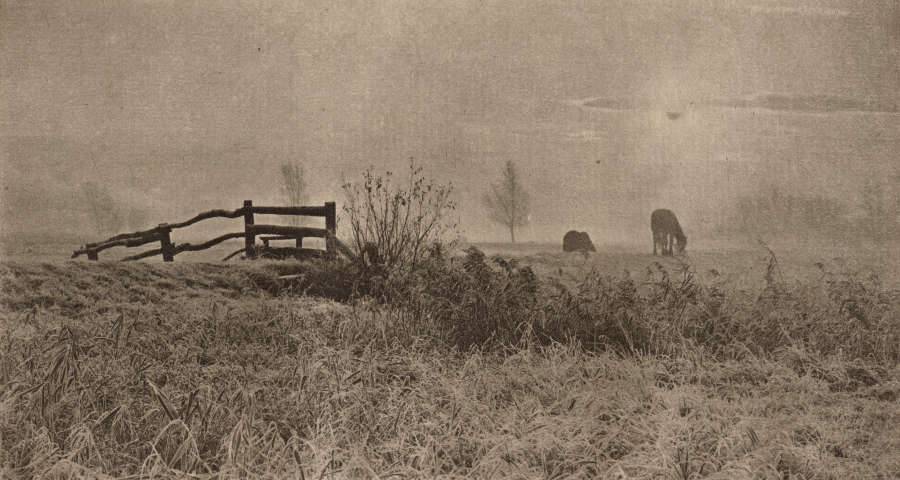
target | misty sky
x=182, y=106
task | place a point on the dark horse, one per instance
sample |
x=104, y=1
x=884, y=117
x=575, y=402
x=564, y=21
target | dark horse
x=666, y=229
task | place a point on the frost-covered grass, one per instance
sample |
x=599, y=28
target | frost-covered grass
x=478, y=368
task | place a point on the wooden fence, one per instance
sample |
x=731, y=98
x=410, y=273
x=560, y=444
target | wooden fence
x=168, y=250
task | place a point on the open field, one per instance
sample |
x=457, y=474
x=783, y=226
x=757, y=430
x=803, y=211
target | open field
x=741, y=260
x=743, y=365
x=757, y=139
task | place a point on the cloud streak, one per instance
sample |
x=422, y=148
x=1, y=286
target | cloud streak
x=807, y=103
x=623, y=103
x=806, y=11
x=815, y=103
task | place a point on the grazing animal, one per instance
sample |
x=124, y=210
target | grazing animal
x=577, y=242
x=666, y=230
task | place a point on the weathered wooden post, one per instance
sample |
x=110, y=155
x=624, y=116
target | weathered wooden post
x=91, y=254
x=331, y=227
x=249, y=238
x=165, y=241
x=299, y=242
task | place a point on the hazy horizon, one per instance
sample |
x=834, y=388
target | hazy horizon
x=609, y=110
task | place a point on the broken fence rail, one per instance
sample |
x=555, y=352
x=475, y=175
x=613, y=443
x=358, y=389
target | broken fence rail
x=168, y=250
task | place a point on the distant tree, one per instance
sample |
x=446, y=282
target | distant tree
x=101, y=208
x=878, y=204
x=137, y=218
x=507, y=202
x=772, y=211
x=894, y=208
x=293, y=186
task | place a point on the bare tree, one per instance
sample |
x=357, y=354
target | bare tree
x=101, y=208
x=507, y=203
x=293, y=186
x=880, y=200
x=137, y=218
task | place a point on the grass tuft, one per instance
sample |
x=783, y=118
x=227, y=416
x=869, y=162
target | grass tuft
x=470, y=366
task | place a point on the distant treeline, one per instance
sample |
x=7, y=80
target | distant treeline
x=109, y=214
x=873, y=214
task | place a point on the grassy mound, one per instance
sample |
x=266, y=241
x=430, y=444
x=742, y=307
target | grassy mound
x=476, y=368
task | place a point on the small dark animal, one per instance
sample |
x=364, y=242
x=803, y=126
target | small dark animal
x=666, y=230
x=577, y=242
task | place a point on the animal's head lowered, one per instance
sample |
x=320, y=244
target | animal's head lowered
x=680, y=244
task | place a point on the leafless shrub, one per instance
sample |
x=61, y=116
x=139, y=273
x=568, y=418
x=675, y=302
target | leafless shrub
x=397, y=224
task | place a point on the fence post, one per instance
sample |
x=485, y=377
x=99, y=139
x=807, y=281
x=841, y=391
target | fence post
x=331, y=227
x=92, y=254
x=249, y=238
x=165, y=240
x=299, y=242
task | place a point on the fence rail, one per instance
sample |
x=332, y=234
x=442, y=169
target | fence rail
x=163, y=234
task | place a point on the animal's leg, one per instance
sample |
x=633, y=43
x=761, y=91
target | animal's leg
x=654, y=243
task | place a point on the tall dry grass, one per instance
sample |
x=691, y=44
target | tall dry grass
x=493, y=302
x=471, y=366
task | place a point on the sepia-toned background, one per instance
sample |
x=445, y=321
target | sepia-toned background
x=609, y=109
